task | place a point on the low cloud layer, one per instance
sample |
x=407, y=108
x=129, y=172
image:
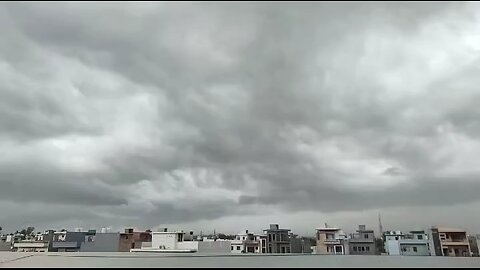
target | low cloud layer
x=180, y=113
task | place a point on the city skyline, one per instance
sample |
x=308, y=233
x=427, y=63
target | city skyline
x=193, y=115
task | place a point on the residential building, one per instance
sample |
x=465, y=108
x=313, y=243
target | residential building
x=132, y=240
x=362, y=242
x=35, y=244
x=278, y=240
x=66, y=241
x=174, y=242
x=415, y=243
x=450, y=242
x=247, y=242
x=331, y=241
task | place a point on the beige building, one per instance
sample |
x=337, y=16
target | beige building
x=450, y=242
x=331, y=241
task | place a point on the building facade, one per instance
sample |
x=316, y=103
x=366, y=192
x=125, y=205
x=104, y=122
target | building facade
x=278, y=240
x=362, y=242
x=450, y=242
x=248, y=242
x=131, y=239
x=331, y=241
x=415, y=243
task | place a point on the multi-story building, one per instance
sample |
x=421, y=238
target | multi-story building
x=415, y=243
x=331, y=241
x=362, y=242
x=450, y=242
x=278, y=240
x=247, y=242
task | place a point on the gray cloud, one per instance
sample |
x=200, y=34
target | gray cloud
x=180, y=112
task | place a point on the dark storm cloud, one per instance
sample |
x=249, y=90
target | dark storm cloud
x=176, y=112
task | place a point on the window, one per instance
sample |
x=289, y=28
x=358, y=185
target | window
x=133, y=245
x=420, y=237
x=231, y=247
x=354, y=248
x=256, y=248
x=244, y=238
x=238, y=247
x=368, y=248
x=366, y=236
x=269, y=237
x=273, y=237
x=363, y=248
x=396, y=237
x=414, y=249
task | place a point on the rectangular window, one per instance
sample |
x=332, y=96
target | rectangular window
x=366, y=236
x=354, y=248
x=414, y=249
x=363, y=248
x=273, y=237
x=269, y=237
x=231, y=247
x=238, y=247
x=420, y=237
x=368, y=248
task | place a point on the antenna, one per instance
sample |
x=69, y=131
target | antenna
x=380, y=227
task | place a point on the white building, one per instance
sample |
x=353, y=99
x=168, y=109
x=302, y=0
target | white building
x=416, y=243
x=248, y=242
x=173, y=242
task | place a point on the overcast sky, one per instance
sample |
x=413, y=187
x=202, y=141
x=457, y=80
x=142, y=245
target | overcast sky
x=231, y=116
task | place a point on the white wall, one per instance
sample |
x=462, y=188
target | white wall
x=392, y=247
x=169, y=240
x=193, y=245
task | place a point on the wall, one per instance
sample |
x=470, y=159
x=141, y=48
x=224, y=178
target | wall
x=5, y=246
x=188, y=245
x=214, y=247
x=164, y=240
x=392, y=247
x=407, y=249
x=103, y=242
x=358, y=248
